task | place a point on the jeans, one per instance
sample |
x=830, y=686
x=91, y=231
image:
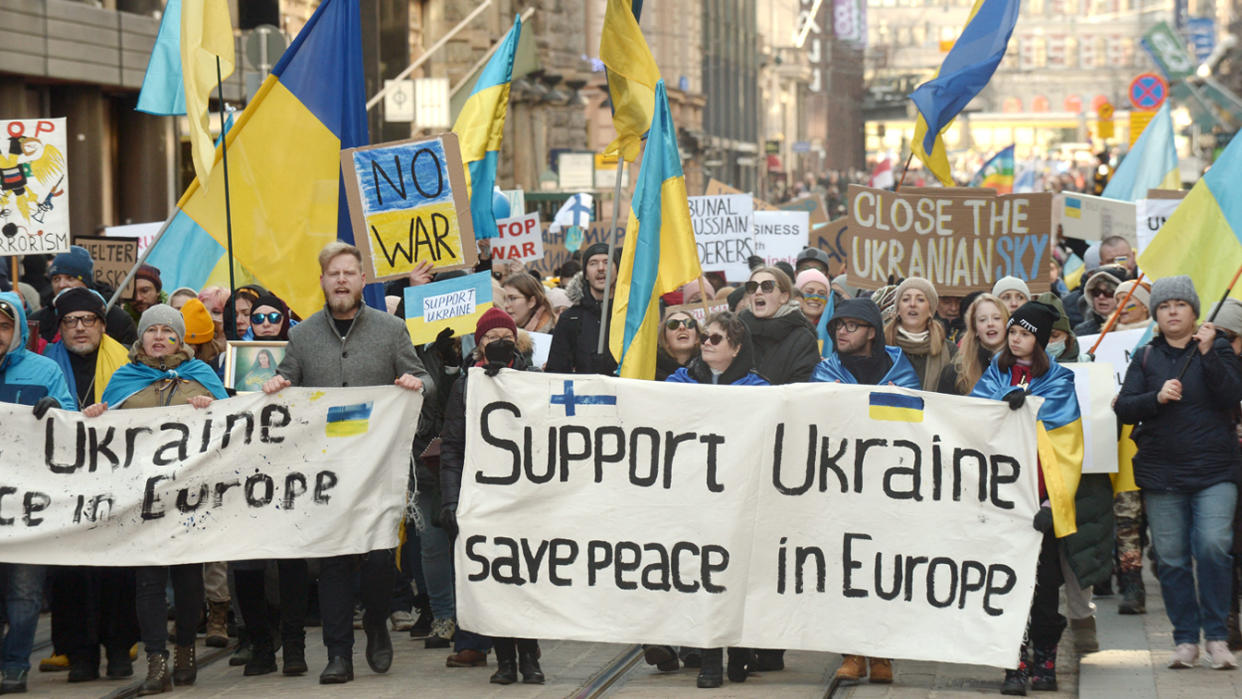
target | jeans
x=376, y=574
x=152, y=603
x=1198, y=525
x=23, y=599
x=437, y=555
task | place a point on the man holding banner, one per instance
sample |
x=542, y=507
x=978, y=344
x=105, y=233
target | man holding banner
x=348, y=343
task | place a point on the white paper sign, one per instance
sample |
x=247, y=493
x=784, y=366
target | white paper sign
x=521, y=238
x=1115, y=351
x=34, y=187
x=144, y=232
x=1093, y=384
x=305, y=473
x=445, y=306
x=1150, y=215
x=781, y=235
x=542, y=346
x=723, y=233
x=1088, y=217
x=634, y=511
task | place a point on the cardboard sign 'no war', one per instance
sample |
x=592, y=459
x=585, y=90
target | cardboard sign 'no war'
x=408, y=202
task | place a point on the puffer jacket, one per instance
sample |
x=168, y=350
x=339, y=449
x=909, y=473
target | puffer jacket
x=25, y=377
x=1090, y=549
x=786, y=346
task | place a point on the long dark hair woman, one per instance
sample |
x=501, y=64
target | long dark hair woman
x=786, y=346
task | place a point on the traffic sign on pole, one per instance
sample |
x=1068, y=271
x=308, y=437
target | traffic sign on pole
x=1148, y=91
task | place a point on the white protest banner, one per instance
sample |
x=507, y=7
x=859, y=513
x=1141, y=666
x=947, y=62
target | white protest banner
x=34, y=187
x=144, y=232
x=520, y=238
x=1089, y=217
x=305, y=473
x=1150, y=215
x=1115, y=351
x=644, y=512
x=1093, y=385
x=781, y=235
x=723, y=233
x=541, y=346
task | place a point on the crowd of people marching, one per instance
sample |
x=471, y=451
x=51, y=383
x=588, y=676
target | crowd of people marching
x=1180, y=402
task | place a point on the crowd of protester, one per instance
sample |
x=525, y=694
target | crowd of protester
x=1180, y=399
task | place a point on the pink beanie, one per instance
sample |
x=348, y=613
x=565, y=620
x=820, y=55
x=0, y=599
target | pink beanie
x=812, y=275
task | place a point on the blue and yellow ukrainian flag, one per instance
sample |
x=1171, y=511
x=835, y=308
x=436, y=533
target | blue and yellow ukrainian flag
x=1203, y=236
x=996, y=173
x=348, y=420
x=659, y=254
x=1150, y=164
x=285, y=166
x=966, y=70
x=895, y=407
x=481, y=126
x=632, y=76
x=163, y=90
x=206, y=58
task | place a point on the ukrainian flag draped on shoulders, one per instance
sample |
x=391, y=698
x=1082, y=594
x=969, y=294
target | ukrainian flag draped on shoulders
x=288, y=200
x=966, y=70
x=1202, y=238
x=632, y=76
x=111, y=356
x=659, y=254
x=480, y=127
x=1059, y=433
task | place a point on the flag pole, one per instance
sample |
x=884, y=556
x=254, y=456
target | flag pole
x=1220, y=304
x=228, y=207
x=1112, y=321
x=905, y=169
x=605, y=318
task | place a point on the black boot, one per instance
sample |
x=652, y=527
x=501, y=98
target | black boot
x=1015, y=682
x=422, y=625
x=1044, y=669
x=740, y=662
x=1135, y=594
x=339, y=671
x=711, y=672
x=768, y=660
x=528, y=665
x=663, y=657
x=506, y=671
x=295, y=656
x=241, y=654
x=158, y=678
x=262, y=658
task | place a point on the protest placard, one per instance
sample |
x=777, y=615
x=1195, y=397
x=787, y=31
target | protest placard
x=781, y=235
x=813, y=204
x=832, y=238
x=960, y=243
x=409, y=203
x=520, y=238
x=541, y=345
x=1089, y=217
x=723, y=233
x=324, y=474
x=644, y=512
x=1115, y=350
x=1150, y=215
x=556, y=254
x=1093, y=385
x=144, y=232
x=696, y=310
x=456, y=303
x=114, y=257
x=34, y=187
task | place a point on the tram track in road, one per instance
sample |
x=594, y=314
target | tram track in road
x=626, y=674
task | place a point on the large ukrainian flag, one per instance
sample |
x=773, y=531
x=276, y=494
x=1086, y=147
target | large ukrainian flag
x=284, y=165
x=1203, y=236
x=966, y=70
x=1150, y=164
x=659, y=254
x=481, y=126
x=632, y=75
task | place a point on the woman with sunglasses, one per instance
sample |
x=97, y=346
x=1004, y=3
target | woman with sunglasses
x=726, y=357
x=786, y=347
x=678, y=343
x=269, y=319
x=914, y=329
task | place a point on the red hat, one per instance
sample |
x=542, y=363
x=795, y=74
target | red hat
x=151, y=274
x=494, y=318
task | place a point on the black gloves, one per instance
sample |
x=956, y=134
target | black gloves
x=499, y=354
x=1015, y=398
x=444, y=348
x=45, y=403
x=448, y=519
x=1042, y=522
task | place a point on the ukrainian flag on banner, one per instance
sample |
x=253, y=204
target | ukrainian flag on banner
x=1150, y=164
x=1202, y=236
x=659, y=254
x=996, y=173
x=965, y=71
x=632, y=75
x=481, y=126
x=895, y=407
x=445, y=300
x=285, y=166
x=348, y=420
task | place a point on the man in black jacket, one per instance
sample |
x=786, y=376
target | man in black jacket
x=576, y=339
x=73, y=269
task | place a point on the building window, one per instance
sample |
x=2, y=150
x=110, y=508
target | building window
x=1056, y=51
x=1040, y=104
x=1073, y=104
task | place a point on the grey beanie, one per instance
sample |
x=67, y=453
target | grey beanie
x=1229, y=317
x=162, y=314
x=1178, y=288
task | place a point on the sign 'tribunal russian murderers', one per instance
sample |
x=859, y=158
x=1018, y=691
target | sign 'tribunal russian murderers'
x=635, y=511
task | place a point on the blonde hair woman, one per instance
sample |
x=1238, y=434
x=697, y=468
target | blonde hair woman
x=984, y=337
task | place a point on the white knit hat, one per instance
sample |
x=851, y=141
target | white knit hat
x=1011, y=283
x=1142, y=293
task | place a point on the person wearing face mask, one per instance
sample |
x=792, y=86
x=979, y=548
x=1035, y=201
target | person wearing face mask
x=786, y=347
x=1062, y=344
x=984, y=337
x=918, y=335
x=678, y=343
x=1181, y=390
x=495, y=337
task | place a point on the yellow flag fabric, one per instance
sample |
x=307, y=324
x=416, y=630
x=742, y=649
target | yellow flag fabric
x=1123, y=479
x=206, y=35
x=1060, y=458
x=632, y=78
x=112, y=356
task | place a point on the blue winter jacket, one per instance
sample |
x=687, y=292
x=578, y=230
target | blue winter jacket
x=25, y=377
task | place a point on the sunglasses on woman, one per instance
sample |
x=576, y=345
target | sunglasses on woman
x=687, y=323
x=274, y=318
x=767, y=285
x=713, y=339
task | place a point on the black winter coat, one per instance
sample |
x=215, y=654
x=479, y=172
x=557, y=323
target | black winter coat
x=576, y=338
x=1090, y=549
x=1188, y=445
x=786, y=347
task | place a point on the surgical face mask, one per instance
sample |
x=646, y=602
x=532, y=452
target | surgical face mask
x=1056, y=348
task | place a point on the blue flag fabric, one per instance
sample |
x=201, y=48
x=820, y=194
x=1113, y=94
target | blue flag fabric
x=900, y=374
x=134, y=377
x=163, y=91
x=826, y=344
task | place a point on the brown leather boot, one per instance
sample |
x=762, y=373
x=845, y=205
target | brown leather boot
x=217, y=624
x=185, y=669
x=881, y=671
x=853, y=668
x=158, y=680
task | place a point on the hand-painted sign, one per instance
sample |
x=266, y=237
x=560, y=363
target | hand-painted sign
x=723, y=233
x=456, y=303
x=519, y=238
x=34, y=187
x=114, y=256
